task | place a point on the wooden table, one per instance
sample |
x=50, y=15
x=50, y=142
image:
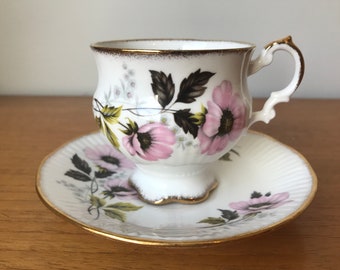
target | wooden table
x=32, y=237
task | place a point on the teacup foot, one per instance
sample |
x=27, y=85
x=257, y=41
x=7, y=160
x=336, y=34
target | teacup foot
x=164, y=188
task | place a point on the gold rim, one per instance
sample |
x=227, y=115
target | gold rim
x=289, y=41
x=150, y=242
x=103, y=47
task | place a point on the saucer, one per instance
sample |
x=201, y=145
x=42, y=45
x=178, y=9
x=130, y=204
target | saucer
x=262, y=185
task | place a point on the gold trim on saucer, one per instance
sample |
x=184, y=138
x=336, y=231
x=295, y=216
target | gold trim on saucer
x=175, y=243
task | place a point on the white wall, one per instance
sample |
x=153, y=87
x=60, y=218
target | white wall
x=45, y=43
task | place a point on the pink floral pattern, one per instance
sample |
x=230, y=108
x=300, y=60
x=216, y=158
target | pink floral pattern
x=243, y=211
x=104, y=182
x=108, y=157
x=151, y=142
x=120, y=189
x=220, y=121
x=108, y=191
x=224, y=121
x=261, y=203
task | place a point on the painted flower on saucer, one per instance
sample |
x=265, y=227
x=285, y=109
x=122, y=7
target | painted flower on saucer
x=107, y=189
x=104, y=183
x=258, y=206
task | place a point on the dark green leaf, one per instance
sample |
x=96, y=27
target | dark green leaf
x=115, y=214
x=235, y=152
x=229, y=215
x=78, y=175
x=255, y=195
x=213, y=221
x=109, y=194
x=163, y=87
x=103, y=173
x=225, y=157
x=81, y=164
x=117, y=189
x=193, y=86
x=184, y=119
x=124, y=206
x=130, y=128
x=250, y=215
x=99, y=122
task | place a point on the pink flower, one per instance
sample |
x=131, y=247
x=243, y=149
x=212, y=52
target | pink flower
x=151, y=142
x=262, y=202
x=224, y=121
x=119, y=188
x=108, y=157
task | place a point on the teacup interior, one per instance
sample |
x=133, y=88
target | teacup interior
x=170, y=45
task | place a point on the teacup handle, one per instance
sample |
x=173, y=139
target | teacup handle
x=265, y=58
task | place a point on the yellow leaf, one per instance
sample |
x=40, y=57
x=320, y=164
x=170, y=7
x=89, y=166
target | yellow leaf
x=110, y=135
x=111, y=114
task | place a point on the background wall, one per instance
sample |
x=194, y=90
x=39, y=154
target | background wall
x=45, y=43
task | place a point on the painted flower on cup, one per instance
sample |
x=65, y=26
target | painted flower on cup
x=120, y=189
x=108, y=157
x=259, y=202
x=151, y=141
x=225, y=120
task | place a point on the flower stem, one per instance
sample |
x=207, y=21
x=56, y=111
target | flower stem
x=131, y=110
x=94, y=185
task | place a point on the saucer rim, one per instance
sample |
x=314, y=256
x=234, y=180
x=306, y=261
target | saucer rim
x=173, y=243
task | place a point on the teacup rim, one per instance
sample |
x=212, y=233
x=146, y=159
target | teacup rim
x=105, y=47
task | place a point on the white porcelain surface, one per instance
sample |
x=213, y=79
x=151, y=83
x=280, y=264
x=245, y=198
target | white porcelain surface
x=86, y=181
x=175, y=106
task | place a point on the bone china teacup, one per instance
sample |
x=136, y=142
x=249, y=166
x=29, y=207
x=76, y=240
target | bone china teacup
x=174, y=107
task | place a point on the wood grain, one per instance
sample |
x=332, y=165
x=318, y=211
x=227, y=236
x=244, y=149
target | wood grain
x=32, y=237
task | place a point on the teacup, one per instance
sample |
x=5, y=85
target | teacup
x=174, y=107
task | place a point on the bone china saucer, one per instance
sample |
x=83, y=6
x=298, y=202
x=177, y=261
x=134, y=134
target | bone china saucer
x=261, y=184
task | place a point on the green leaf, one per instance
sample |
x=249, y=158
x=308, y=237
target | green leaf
x=126, y=207
x=77, y=175
x=163, y=87
x=111, y=114
x=97, y=202
x=115, y=214
x=193, y=86
x=81, y=164
x=213, y=221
